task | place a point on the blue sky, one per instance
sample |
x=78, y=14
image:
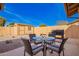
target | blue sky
x=35, y=13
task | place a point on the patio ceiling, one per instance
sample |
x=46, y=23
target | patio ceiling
x=1, y=6
x=71, y=8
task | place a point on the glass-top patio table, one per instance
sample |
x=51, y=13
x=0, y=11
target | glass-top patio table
x=44, y=40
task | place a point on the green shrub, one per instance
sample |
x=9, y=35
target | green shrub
x=42, y=25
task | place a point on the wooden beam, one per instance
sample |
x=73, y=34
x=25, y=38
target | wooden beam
x=78, y=12
x=1, y=6
x=71, y=8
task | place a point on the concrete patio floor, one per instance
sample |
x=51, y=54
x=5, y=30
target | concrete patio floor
x=71, y=49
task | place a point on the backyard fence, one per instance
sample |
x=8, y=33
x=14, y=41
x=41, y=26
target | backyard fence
x=48, y=29
x=71, y=31
x=15, y=31
x=8, y=31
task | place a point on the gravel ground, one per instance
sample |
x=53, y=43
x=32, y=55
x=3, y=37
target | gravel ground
x=8, y=45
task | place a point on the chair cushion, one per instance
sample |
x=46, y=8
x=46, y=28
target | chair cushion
x=56, y=44
x=54, y=48
x=35, y=51
x=58, y=36
x=36, y=46
x=58, y=40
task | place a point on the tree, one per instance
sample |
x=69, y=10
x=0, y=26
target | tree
x=62, y=22
x=2, y=21
x=11, y=24
x=42, y=25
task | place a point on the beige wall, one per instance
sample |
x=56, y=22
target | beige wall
x=48, y=29
x=23, y=30
x=71, y=31
x=15, y=31
x=8, y=31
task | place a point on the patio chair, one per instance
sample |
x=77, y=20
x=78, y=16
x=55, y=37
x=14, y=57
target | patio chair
x=57, y=34
x=31, y=37
x=31, y=50
x=33, y=40
x=58, y=47
x=51, y=34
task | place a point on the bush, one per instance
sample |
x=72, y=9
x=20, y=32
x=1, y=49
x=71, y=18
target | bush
x=11, y=24
x=42, y=25
x=3, y=21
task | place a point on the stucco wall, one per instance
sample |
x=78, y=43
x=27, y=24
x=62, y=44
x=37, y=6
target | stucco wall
x=23, y=30
x=48, y=29
x=15, y=31
x=8, y=31
x=72, y=31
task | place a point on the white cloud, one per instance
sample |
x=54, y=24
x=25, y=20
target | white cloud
x=17, y=15
x=21, y=19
